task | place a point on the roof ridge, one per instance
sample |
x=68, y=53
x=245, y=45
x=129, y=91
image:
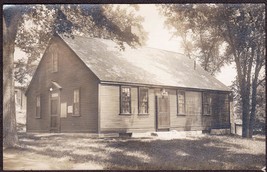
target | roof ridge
x=86, y=37
x=165, y=50
x=107, y=39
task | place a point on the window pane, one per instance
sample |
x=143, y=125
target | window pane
x=144, y=107
x=54, y=61
x=181, y=96
x=181, y=108
x=143, y=95
x=125, y=100
x=76, y=109
x=76, y=102
x=76, y=96
x=143, y=100
x=125, y=107
x=38, y=101
x=181, y=102
x=38, y=107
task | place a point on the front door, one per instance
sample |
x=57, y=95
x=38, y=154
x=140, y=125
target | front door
x=163, y=113
x=54, y=110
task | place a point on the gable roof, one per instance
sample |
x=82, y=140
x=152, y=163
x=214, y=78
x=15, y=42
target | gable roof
x=140, y=66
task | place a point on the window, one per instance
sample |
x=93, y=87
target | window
x=54, y=61
x=125, y=100
x=206, y=104
x=38, y=107
x=143, y=101
x=181, y=102
x=76, y=103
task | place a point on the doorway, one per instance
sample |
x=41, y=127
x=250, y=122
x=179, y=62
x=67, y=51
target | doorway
x=162, y=113
x=54, y=112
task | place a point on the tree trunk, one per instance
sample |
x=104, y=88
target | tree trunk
x=253, y=108
x=254, y=94
x=245, y=99
x=10, y=24
x=245, y=116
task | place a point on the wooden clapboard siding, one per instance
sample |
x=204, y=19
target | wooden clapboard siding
x=33, y=123
x=72, y=74
x=188, y=121
x=220, y=111
x=134, y=100
x=112, y=120
x=173, y=108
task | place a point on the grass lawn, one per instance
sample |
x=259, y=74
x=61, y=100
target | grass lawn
x=82, y=151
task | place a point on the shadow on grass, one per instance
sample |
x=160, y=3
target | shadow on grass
x=131, y=153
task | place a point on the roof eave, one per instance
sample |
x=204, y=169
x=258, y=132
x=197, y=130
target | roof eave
x=160, y=86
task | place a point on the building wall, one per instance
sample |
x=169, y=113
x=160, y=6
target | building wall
x=220, y=110
x=112, y=121
x=189, y=121
x=219, y=117
x=72, y=74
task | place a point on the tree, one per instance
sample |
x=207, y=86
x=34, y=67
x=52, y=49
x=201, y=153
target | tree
x=259, y=126
x=39, y=25
x=201, y=40
x=240, y=29
x=92, y=20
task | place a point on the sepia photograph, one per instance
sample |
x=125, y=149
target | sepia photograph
x=177, y=86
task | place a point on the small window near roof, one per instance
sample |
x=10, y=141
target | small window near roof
x=76, y=102
x=181, y=102
x=125, y=100
x=143, y=101
x=54, y=60
x=38, y=106
x=206, y=104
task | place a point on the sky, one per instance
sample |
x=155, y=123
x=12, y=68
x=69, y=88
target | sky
x=160, y=37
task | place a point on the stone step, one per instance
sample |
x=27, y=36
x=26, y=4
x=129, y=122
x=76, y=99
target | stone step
x=219, y=131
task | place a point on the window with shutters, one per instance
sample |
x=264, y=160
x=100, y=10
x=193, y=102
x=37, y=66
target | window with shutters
x=125, y=100
x=76, y=102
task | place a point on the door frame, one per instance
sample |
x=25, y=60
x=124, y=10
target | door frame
x=157, y=113
x=57, y=129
